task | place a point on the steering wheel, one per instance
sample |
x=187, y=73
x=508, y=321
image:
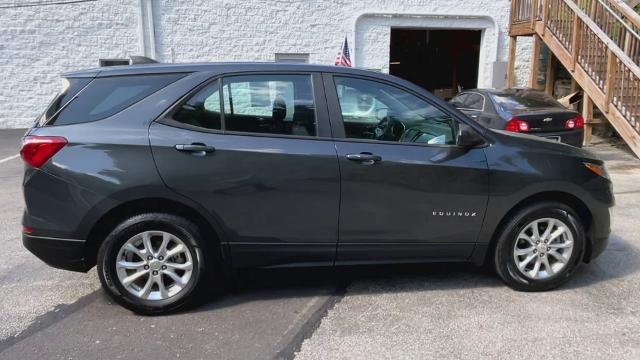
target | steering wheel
x=389, y=129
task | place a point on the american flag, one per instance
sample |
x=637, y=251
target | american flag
x=343, y=58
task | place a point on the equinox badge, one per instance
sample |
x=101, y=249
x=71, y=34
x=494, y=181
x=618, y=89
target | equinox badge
x=455, y=213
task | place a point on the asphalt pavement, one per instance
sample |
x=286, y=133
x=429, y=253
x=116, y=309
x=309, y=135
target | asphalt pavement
x=464, y=314
x=47, y=313
x=420, y=311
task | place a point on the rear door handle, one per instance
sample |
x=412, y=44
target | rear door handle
x=365, y=158
x=196, y=148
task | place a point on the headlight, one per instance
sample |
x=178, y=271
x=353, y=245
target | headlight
x=597, y=169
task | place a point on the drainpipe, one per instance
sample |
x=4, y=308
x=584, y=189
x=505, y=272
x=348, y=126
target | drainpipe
x=146, y=29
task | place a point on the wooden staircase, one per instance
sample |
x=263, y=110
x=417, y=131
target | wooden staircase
x=598, y=41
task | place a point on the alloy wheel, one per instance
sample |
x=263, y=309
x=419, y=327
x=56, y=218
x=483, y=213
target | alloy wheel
x=154, y=265
x=543, y=248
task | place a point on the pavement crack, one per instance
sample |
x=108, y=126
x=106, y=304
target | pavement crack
x=311, y=325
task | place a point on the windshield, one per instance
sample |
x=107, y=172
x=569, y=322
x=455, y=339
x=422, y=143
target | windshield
x=524, y=99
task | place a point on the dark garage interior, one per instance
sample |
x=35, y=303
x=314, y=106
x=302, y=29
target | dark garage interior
x=440, y=61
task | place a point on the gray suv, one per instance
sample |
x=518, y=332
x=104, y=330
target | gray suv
x=168, y=175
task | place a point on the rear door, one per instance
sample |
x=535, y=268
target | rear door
x=254, y=150
x=409, y=193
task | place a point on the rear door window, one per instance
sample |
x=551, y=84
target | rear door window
x=459, y=100
x=104, y=97
x=202, y=109
x=474, y=102
x=269, y=104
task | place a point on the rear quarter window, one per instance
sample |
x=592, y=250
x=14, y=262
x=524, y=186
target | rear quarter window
x=70, y=87
x=104, y=97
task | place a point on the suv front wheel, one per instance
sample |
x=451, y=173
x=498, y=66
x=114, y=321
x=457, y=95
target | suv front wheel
x=540, y=247
x=152, y=263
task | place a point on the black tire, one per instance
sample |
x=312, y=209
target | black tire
x=504, y=261
x=185, y=230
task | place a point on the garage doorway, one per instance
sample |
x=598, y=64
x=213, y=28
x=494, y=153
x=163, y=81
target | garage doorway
x=441, y=61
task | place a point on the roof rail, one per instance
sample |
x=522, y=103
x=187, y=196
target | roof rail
x=135, y=60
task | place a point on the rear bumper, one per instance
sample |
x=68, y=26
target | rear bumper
x=569, y=137
x=67, y=254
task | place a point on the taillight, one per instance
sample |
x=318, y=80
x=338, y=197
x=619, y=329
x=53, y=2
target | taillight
x=517, y=125
x=575, y=123
x=37, y=150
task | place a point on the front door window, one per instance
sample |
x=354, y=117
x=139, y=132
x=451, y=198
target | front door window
x=376, y=111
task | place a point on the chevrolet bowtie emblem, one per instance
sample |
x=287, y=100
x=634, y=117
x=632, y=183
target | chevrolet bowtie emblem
x=547, y=119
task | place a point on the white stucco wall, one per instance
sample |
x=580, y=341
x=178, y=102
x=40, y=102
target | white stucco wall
x=522, y=65
x=39, y=43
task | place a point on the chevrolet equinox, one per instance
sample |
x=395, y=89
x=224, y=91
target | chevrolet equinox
x=165, y=175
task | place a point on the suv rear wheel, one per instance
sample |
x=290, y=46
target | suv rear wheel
x=540, y=247
x=152, y=263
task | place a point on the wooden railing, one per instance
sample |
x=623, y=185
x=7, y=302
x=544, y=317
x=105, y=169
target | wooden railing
x=521, y=11
x=618, y=22
x=598, y=41
x=560, y=21
x=613, y=18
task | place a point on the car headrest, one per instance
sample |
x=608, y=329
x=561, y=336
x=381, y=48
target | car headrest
x=279, y=109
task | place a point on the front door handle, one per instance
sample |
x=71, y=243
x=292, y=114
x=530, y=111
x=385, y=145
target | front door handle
x=197, y=149
x=364, y=158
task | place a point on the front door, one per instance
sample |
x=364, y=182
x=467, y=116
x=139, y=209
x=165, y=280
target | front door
x=409, y=193
x=248, y=148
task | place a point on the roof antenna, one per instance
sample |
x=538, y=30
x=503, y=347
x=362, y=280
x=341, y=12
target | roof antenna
x=135, y=60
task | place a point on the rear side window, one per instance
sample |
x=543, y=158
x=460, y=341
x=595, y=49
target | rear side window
x=474, y=102
x=459, y=100
x=104, y=97
x=202, y=109
x=269, y=104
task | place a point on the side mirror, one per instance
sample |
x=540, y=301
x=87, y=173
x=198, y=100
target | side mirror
x=468, y=137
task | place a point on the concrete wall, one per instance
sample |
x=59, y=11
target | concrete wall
x=39, y=43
